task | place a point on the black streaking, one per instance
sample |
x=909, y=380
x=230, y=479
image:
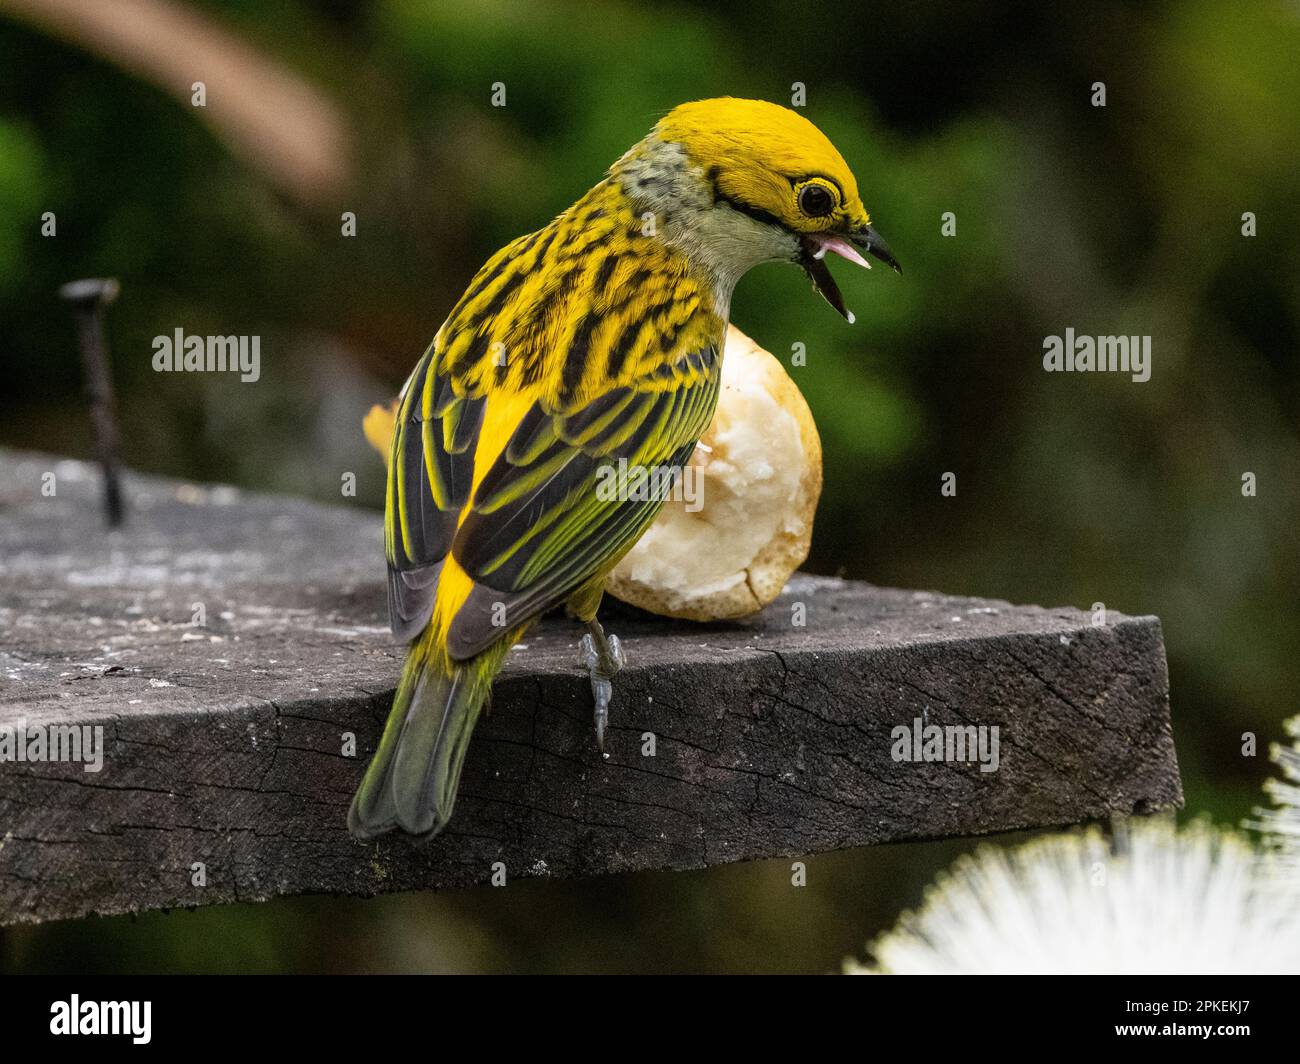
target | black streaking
x=579, y=352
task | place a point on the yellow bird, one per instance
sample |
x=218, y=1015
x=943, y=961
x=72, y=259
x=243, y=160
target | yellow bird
x=593, y=340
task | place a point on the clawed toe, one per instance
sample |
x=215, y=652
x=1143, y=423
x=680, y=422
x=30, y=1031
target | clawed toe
x=616, y=658
x=587, y=657
x=602, y=656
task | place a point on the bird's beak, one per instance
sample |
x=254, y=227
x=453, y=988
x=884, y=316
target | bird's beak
x=812, y=257
x=870, y=241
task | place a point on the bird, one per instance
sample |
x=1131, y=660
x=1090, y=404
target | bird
x=595, y=341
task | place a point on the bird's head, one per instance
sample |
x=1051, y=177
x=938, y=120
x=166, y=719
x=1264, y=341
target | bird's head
x=746, y=181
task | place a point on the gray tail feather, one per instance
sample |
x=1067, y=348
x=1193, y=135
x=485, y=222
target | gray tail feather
x=411, y=781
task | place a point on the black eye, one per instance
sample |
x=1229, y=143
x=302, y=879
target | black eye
x=816, y=200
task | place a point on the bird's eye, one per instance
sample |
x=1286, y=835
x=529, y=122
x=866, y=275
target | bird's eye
x=816, y=200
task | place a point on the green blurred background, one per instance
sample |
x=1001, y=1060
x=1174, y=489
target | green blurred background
x=1072, y=489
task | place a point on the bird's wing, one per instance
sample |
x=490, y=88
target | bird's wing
x=430, y=474
x=570, y=493
x=431, y=463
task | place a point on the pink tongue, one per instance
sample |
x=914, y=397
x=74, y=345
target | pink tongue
x=841, y=247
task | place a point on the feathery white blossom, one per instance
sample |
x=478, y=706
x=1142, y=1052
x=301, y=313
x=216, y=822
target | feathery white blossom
x=1198, y=900
x=1281, y=826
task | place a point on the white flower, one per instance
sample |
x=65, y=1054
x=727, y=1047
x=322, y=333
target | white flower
x=1281, y=826
x=1162, y=900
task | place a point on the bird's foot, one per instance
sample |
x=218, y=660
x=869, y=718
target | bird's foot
x=602, y=657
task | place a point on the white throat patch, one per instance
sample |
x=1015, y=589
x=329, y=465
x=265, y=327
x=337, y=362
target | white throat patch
x=723, y=242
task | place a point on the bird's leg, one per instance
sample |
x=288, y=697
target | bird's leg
x=602, y=657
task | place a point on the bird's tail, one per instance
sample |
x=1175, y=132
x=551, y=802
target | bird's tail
x=411, y=782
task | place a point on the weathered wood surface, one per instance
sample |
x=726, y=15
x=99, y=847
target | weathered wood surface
x=224, y=743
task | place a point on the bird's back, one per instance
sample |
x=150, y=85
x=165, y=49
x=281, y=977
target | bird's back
x=591, y=302
x=586, y=342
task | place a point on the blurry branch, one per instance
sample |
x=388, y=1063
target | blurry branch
x=278, y=122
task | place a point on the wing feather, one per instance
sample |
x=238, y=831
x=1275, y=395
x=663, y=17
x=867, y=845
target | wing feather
x=430, y=475
x=539, y=525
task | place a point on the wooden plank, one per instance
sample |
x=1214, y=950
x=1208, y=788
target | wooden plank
x=224, y=743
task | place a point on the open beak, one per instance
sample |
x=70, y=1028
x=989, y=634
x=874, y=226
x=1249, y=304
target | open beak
x=812, y=257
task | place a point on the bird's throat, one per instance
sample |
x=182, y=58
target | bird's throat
x=677, y=203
